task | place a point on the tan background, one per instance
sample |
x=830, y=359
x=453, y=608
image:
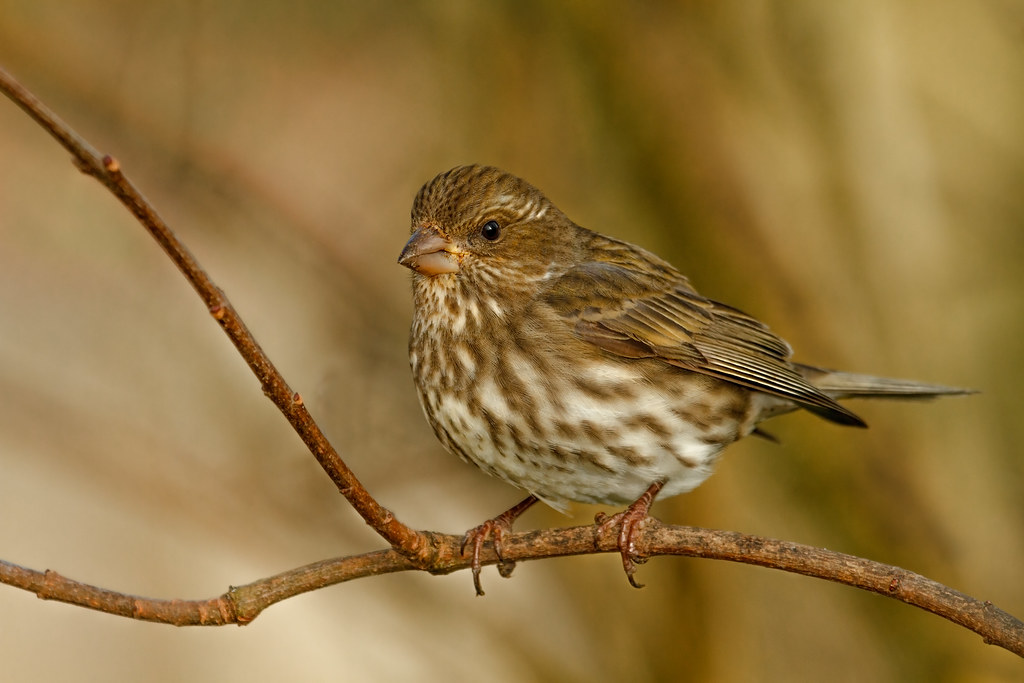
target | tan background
x=849, y=172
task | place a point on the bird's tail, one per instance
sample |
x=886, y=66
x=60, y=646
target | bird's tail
x=839, y=385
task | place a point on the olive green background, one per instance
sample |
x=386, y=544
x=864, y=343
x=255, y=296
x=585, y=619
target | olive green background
x=850, y=172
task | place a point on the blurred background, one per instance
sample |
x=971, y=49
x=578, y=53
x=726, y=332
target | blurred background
x=850, y=173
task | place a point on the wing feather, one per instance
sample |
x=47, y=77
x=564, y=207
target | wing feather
x=637, y=306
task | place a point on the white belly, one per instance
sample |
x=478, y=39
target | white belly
x=587, y=447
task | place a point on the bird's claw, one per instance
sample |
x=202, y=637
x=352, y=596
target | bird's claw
x=495, y=528
x=629, y=523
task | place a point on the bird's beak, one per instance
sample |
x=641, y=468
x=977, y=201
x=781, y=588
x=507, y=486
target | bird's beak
x=428, y=253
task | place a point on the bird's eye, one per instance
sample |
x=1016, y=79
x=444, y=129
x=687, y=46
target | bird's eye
x=491, y=230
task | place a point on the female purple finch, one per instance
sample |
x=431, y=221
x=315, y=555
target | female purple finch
x=582, y=368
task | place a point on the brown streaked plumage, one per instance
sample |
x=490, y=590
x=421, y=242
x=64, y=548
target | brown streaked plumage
x=583, y=368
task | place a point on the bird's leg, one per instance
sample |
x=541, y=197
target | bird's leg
x=495, y=528
x=629, y=521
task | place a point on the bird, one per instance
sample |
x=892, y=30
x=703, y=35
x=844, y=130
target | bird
x=582, y=368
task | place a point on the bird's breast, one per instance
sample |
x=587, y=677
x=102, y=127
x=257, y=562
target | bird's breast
x=532, y=405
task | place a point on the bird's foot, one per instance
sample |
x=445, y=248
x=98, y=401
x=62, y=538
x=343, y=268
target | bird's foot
x=629, y=522
x=495, y=528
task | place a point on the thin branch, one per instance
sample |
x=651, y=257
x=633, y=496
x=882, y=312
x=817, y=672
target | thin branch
x=107, y=170
x=240, y=605
x=430, y=551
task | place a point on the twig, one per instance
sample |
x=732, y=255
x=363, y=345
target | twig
x=241, y=604
x=107, y=170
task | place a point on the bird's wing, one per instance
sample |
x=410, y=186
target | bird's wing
x=649, y=310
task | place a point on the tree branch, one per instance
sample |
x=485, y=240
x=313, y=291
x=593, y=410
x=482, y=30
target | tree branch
x=107, y=170
x=433, y=552
x=242, y=604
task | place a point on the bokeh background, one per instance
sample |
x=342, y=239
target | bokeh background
x=852, y=173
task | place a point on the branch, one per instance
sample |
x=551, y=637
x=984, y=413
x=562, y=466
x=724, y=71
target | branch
x=436, y=553
x=241, y=604
x=107, y=170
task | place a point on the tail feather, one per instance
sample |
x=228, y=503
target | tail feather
x=839, y=385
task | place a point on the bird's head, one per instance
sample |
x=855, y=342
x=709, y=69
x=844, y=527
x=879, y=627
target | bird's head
x=481, y=223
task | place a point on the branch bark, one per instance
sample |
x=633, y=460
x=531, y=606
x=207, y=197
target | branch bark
x=424, y=550
x=241, y=604
x=107, y=170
